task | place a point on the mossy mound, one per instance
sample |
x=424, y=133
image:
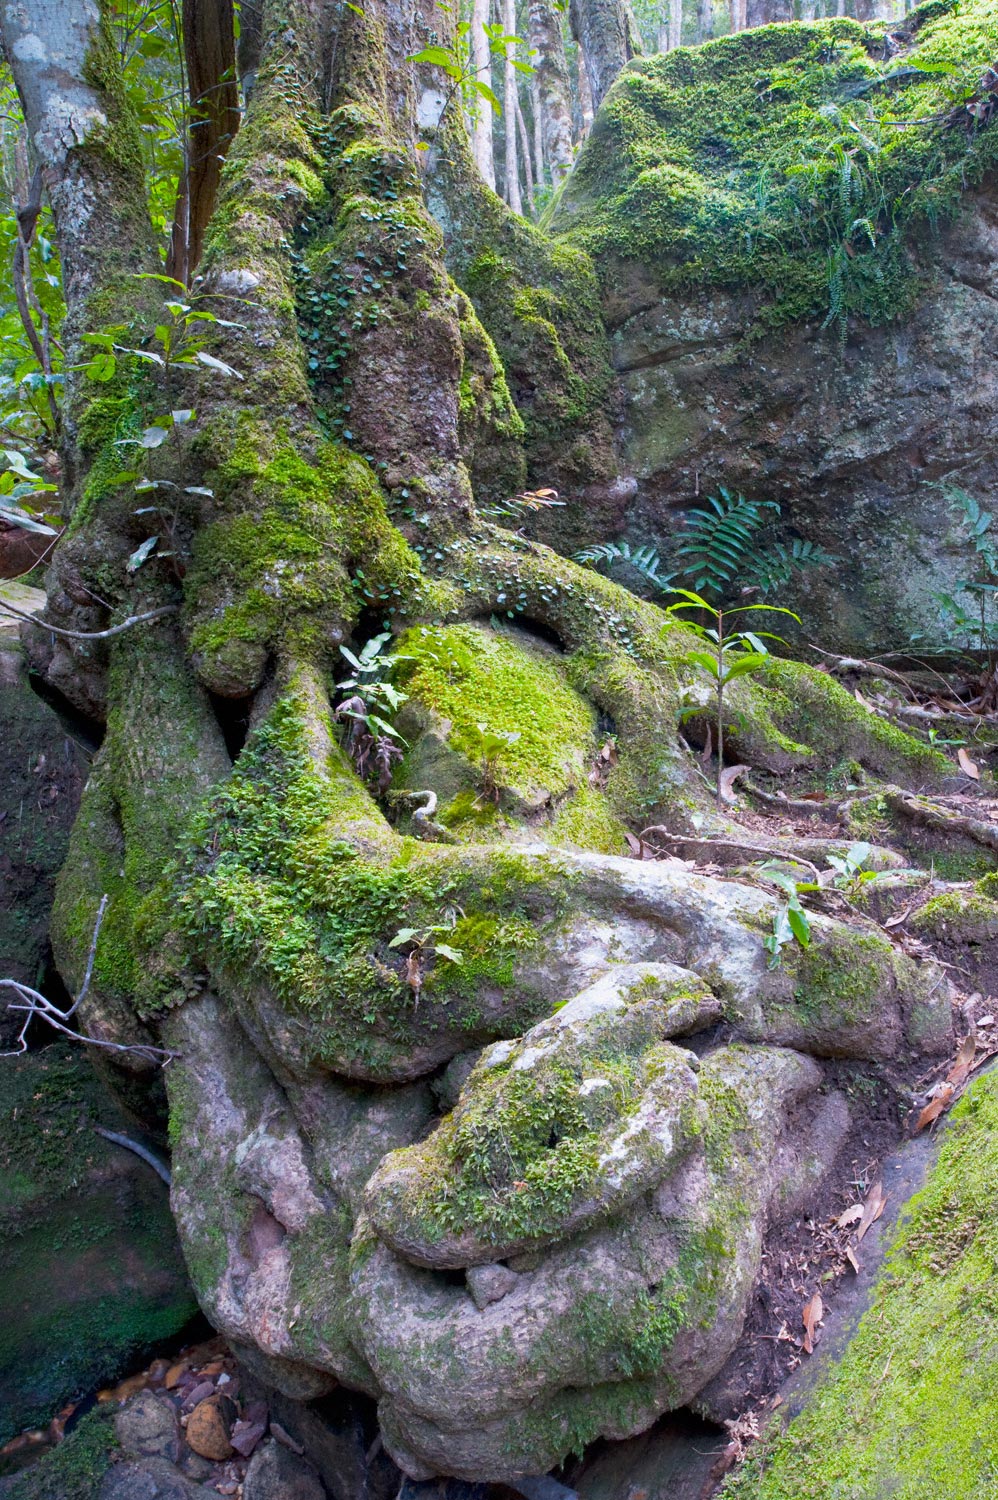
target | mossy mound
x=521, y=740
x=909, y=1410
x=794, y=159
x=73, y=1470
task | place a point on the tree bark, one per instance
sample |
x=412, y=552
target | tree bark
x=482, y=61
x=553, y=88
x=258, y=892
x=521, y=130
x=213, y=107
x=705, y=20
x=608, y=37
x=511, y=182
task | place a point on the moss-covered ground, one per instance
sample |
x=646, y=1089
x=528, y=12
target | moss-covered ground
x=908, y=1412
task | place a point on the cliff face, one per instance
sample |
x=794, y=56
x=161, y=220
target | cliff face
x=796, y=233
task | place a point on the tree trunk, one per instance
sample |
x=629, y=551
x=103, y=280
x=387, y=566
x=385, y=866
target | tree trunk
x=608, y=37
x=521, y=130
x=705, y=20
x=481, y=57
x=512, y=169
x=316, y=952
x=553, y=88
x=585, y=95
x=538, y=133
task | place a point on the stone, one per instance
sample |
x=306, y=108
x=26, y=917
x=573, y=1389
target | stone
x=275, y=1473
x=102, y=1304
x=150, y=1479
x=42, y=772
x=147, y=1426
x=489, y=1284
x=208, y=1428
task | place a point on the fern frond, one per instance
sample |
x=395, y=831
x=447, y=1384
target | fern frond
x=717, y=542
x=773, y=567
x=643, y=559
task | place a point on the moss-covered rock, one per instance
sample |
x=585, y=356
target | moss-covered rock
x=92, y=1272
x=907, y=1411
x=795, y=159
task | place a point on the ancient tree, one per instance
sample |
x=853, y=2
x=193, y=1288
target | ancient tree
x=437, y=1131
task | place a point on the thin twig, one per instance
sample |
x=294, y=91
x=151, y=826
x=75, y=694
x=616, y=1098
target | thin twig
x=742, y=847
x=90, y=635
x=35, y=1004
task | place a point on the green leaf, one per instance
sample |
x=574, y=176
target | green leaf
x=799, y=924
x=453, y=954
x=140, y=554
x=404, y=935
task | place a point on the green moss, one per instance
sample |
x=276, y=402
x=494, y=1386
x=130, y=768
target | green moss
x=816, y=710
x=275, y=566
x=791, y=160
x=586, y=821
x=841, y=981
x=958, y=917
x=908, y=1411
x=73, y=1470
x=290, y=877
x=475, y=678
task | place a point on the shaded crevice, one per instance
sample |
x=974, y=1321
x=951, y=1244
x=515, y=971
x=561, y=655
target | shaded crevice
x=87, y=732
x=233, y=716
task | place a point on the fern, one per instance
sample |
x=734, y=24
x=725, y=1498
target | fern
x=772, y=568
x=644, y=560
x=718, y=543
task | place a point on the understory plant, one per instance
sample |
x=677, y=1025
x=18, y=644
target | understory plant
x=967, y=614
x=366, y=697
x=722, y=551
x=725, y=654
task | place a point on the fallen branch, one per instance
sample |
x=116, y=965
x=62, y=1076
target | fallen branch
x=159, y=1167
x=741, y=846
x=35, y=1004
x=90, y=635
x=792, y=804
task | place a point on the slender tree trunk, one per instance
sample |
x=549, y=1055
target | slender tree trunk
x=585, y=96
x=482, y=61
x=512, y=174
x=737, y=10
x=608, y=37
x=553, y=88
x=538, y=132
x=705, y=20
x=528, y=172
x=213, y=112
x=675, y=24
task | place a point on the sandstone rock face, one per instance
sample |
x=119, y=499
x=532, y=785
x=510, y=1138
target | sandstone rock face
x=848, y=438
x=817, y=338
x=91, y=1270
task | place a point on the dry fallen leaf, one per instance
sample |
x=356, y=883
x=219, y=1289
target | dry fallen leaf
x=964, y=1061
x=812, y=1314
x=851, y=1216
x=851, y=1258
x=727, y=779
x=935, y=1107
x=635, y=845
x=967, y=766
x=876, y=1200
x=899, y=917
x=863, y=702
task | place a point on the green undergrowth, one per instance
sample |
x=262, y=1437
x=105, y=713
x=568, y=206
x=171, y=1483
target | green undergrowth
x=795, y=159
x=908, y=1412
